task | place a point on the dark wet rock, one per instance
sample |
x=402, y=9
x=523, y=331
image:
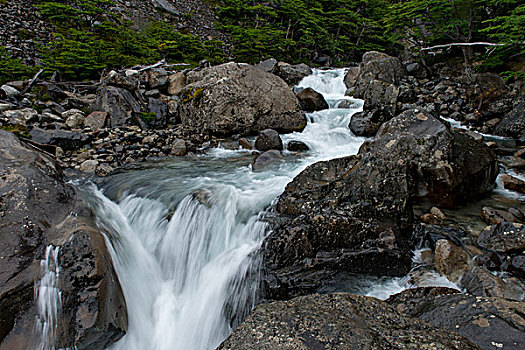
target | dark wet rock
x=366, y=123
x=119, y=103
x=346, y=104
x=337, y=321
x=493, y=216
x=481, y=282
x=446, y=168
x=339, y=215
x=505, y=237
x=245, y=143
x=297, y=146
x=490, y=323
x=513, y=183
x=450, y=260
x=311, y=100
x=517, y=266
x=293, y=74
x=513, y=123
x=268, y=139
x=38, y=210
x=426, y=236
x=266, y=159
x=67, y=140
x=518, y=214
x=238, y=99
x=351, y=76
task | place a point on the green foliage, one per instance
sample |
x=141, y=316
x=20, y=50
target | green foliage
x=430, y=22
x=13, y=68
x=147, y=116
x=507, y=24
x=89, y=38
x=301, y=30
x=18, y=130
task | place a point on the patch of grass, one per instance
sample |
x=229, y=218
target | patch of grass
x=147, y=116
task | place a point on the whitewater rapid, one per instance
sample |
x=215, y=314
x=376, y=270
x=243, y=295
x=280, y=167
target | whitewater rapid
x=182, y=234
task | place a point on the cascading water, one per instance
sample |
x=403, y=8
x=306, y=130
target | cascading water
x=48, y=300
x=182, y=234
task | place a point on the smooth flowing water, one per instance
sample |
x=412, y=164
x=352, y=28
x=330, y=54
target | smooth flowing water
x=48, y=300
x=182, y=233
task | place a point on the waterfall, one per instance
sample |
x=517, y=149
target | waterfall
x=183, y=235
x=48, y=299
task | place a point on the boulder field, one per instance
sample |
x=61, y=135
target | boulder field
x=354, y=214
x=357, y=215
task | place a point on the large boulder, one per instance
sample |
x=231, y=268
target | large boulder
x=378, y=83
x=38, y=211
x=337, y=321
x=67, y=140
x=351, y=76
x=446, y=167
x=235, y=98
x=505, y=237
x=513, y=123
x=490, y=323
x=339, y=215
x=119, y=103
x=293, y=73
x=159, y=110
x=311, y=100
x=354, y=214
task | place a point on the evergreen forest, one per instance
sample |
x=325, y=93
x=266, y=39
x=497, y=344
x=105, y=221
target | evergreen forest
x=88, y=38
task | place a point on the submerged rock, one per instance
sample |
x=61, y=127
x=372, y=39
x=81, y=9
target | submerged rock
x=311, y=100
x=268, y=139
x=338, y=321
x=234, y=99
x=38, y=209
x=297, y=146
x=266, y=159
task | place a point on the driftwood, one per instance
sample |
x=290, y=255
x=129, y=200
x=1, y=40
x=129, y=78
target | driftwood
x=32, y=82
x=460, y=44
x=158, y=64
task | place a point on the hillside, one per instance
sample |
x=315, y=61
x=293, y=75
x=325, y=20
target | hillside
x=80, y=38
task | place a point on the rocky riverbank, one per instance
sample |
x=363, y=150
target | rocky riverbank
x=353, y=216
